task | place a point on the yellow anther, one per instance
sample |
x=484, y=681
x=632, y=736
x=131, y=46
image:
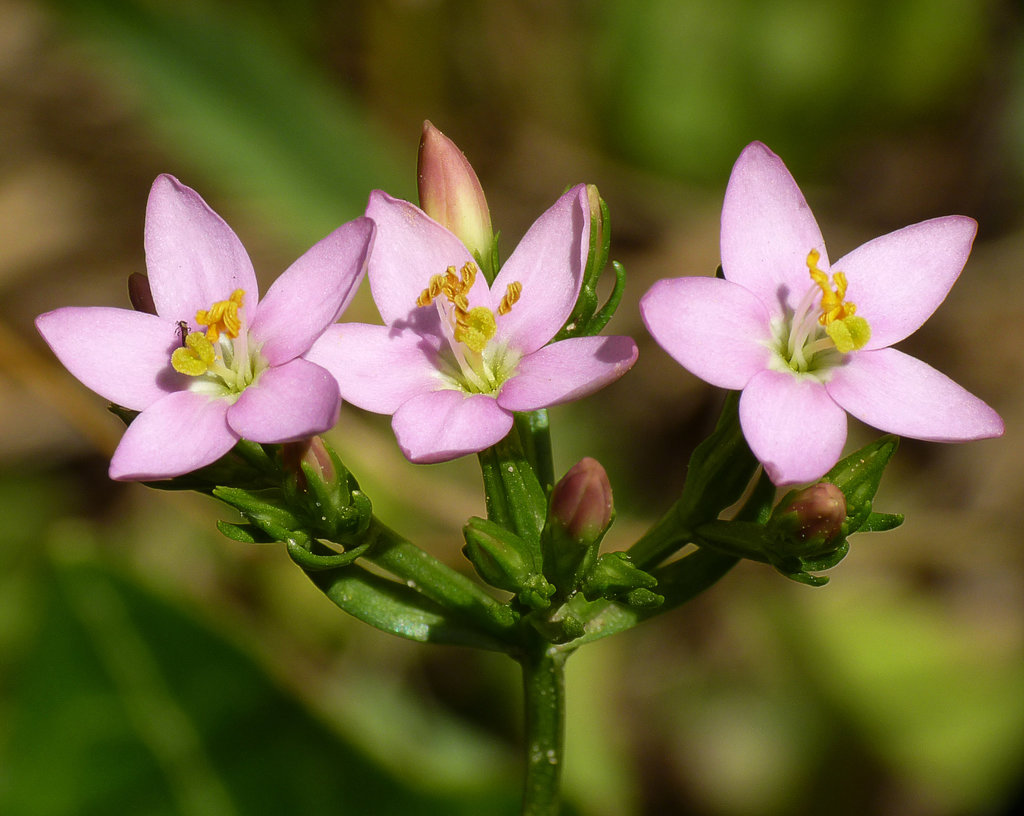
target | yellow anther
x=195, y=357
x=222, y=316
x=838, y=316
x=512, y=293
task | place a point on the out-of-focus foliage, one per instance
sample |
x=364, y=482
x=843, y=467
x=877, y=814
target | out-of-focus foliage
x=686, y=84
x=148, y=665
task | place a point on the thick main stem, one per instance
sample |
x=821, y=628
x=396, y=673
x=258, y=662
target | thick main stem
x=544, y=718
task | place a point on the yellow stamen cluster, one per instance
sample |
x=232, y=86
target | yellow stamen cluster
x=838, y=316
x=473, y=327
x=222, y=316
x=195, y=357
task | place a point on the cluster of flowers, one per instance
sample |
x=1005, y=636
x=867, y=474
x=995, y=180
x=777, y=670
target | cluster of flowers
x=206, y=362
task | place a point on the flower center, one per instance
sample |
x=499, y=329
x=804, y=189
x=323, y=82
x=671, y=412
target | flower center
x=219, y=360
x=477, y=365
x=821, y=331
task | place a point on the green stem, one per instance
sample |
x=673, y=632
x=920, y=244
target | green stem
x=440, y=583
x=544, y=718
x=719, y=471
x=678, y=582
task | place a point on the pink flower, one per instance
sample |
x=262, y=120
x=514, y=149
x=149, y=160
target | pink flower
x=807, y=341
x=456, y=358
x=215, y=363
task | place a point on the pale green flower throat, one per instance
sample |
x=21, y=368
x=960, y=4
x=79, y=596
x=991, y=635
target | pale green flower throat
x=220, y=358
x=478, y=365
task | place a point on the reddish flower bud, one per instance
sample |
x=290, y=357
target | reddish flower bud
x=139, y=293
x=582, y=501
x=310, y=452
x=450, y=192
x=816, y=513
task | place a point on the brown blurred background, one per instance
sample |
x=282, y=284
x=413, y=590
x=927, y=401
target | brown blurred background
x=148, y=665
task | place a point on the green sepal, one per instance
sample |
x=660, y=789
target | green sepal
x=881, y=522
x=566, y=559
x=490, y=263
x=245, y=533
x=858, y=476
x=318, y=562
x=586, y=320
x=534, y=432
x=513, y=495
x=756, y=542
x=559, y=629
x=505, y=561
x=276, y=521
x=720, y=469
x=333, y=508
x=615, y=577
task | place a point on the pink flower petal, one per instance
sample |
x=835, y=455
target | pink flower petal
x=792, y=425
x=768, y=230
x=899, y=279
x=288, y=402
x=900, y=394
x=447, y=424
x=549, y=263
x=182, y=432
x=410, y=249
x=378, y=368
x=312, y=292
x=715, y=329
x=566, y=371
x=123, y=356
x=194, y=259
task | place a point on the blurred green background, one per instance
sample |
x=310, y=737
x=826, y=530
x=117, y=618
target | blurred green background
x=149, y=666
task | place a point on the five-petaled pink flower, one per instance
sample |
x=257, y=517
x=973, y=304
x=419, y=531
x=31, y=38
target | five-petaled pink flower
x=456, y=358
x=807, y=341
x=215, y=363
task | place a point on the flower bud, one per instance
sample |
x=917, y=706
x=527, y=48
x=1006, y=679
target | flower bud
x=139, y=293
x=503, y=560
x=579, y=513
x=334, y=506
x=313, y=454
x=615, y=577
x=582, y=501
x=597, y=220
x=815, y=514
x=451, y=194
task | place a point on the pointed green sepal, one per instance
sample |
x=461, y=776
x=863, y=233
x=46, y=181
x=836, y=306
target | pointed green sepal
x=276, y=521
x=579, y=514
x=586, y=320
x=245, y=533
x=615, y=577
x=881, y=522
x=858, y=476
x=505, y=561
x=328, y=495
x=321, y=561
x=719, y=471
x=560, y=629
